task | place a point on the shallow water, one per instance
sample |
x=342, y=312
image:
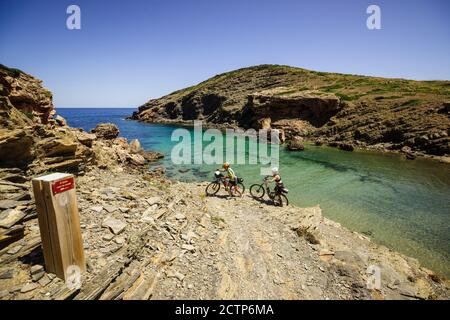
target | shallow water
x=402, y=204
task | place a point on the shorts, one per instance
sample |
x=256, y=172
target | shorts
x=279, y=188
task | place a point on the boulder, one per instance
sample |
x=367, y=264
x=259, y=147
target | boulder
x=135, y=147
x=408, y=153
x=86, y=139
x=346, y=147
x=264, y=123
x=60, y=121
x=282, y=135
x=152, y=155
x=136, y=159
x=410, y=156
x=272, y=136
x=106, y=131
x=296, y=144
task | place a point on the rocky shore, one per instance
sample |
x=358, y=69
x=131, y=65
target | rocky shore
x=339, y=110
x=149, y=238
x=146, y=237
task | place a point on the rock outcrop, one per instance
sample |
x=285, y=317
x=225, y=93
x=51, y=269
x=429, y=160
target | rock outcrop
x=106, y=131
x=26, y=94
x=295, y=144
x=272, y=106
x=338, y=109
x=34, y=140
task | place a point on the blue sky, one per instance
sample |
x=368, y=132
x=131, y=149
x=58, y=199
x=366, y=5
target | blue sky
x=129, y=51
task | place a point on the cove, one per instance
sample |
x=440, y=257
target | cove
x=399, y=203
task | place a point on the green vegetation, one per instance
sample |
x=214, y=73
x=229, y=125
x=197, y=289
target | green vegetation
x=13, y=72
x=48, y=94
x=412, y=102
x=387, y=97
x=236, y=85
x=321, y=74
x=29, y=115
x=216, y=220
x=345, y=97
x=332, y=88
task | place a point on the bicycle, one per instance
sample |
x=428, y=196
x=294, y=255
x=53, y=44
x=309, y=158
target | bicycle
x=219, y=179
x=278, y=197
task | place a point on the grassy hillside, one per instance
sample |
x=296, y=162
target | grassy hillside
x=368, y=111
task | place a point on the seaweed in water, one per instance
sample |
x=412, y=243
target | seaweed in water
x=333, y=166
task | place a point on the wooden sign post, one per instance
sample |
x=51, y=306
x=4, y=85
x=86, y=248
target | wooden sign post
x=59, y=224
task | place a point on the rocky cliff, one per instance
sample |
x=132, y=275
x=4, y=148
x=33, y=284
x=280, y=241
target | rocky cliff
x=25, y=93
x=339, y=109
x=34, y=140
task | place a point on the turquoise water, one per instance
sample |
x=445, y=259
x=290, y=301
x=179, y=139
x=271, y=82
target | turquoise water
x=402, y=204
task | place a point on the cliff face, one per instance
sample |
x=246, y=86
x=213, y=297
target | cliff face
x=34, y=141
x=25, y=93
x=334, y=108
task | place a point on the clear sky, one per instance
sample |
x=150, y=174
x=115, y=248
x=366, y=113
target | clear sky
x=129, y=51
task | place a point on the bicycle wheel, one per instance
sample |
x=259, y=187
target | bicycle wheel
x=241, y=186
x=280, y=200
x=257, y=191
x=212, y=188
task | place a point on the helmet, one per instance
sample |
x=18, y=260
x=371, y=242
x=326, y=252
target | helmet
x=274, y=170
x=226, y=165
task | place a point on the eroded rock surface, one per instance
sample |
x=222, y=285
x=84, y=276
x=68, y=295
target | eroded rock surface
x=149, y=238
x=34, y=141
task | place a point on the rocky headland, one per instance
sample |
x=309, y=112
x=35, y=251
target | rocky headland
x=341, y=110
x=146, y=237
x=34, y=140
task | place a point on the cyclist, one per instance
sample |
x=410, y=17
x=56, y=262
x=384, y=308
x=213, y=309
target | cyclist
x=277, y=179
x=232, y=180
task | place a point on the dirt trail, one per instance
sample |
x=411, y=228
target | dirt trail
x=244, y=252
x=241, y=248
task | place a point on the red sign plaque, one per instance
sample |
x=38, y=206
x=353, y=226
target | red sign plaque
x=62, y=185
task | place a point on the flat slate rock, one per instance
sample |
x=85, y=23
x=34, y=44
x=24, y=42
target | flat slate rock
x=153, y=200
x=97, y=209
x=44, y=281
x=14, y=249
x=110, y=208
x=10, y=217
x=37, y=268
x=28, y=287
x=115, y=225
x=37, y=276
x=8, y=204
x=8, y=274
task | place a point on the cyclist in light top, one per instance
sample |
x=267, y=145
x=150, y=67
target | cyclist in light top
x=231, y=177
x=277, y=179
